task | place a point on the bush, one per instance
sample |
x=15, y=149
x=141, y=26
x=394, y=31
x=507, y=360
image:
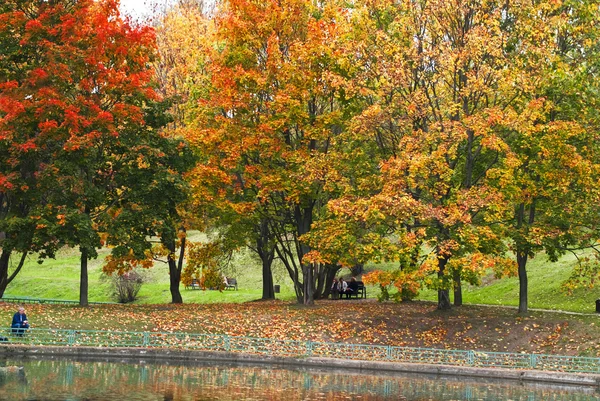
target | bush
x=127, y=286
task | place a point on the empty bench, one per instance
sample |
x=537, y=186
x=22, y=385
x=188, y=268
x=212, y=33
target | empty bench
x=194, y=285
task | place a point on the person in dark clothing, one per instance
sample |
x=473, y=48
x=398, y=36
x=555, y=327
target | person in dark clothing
x=335, y=293
x=352, y=287
x=19, y=322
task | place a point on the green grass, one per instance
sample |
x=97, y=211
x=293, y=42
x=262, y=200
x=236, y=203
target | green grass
x=59, y=279
x=545, y=288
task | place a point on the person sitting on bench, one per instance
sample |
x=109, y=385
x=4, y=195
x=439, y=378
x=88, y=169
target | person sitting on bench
x=335, y=293
x=352, y=287
x=19, y=322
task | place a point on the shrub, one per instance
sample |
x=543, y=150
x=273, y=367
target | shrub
x=127, y=286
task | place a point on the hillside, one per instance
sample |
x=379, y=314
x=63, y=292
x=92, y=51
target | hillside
x=60, y=279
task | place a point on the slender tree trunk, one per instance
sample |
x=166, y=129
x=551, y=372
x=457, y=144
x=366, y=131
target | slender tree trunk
x=175, y=268
x=522, y=263
x=292, y=269
x=4, y=263
x=303, y=217
x=443, y=295
x=83, y=279
x=5, y=280
x=458, y=300
x=523, y=250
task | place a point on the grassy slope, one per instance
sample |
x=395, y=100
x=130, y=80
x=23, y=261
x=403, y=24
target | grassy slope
x=545, y=288
x=60, y=279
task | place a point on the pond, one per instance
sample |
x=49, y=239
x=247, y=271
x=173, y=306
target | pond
x=91, y=380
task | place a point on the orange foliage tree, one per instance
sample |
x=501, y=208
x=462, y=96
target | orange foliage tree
x=267, y=124
x=85, y=163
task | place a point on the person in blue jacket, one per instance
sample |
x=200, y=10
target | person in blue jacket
x=19, y=322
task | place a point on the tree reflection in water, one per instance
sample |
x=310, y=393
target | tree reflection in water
x=61, y=379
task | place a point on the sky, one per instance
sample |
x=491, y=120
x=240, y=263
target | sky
x=138, y=8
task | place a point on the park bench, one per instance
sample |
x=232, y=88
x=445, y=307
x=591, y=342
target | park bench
x=361, y=291
x=194, y=285
x=231, y=284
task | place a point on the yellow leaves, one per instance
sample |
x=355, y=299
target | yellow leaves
x=123, y=264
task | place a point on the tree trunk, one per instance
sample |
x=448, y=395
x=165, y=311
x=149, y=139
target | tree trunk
x=266, y=251
x=522, y=263
x=303, y=218
x=357, y=269
x=458, y=301
x=83, y=280
x=4, y=263
x=443, y=294
x=175, y=267
x=523, y=250
x=320, y=281
x=174, y=279
x=330, y=272
x=267, y=278
x=307, y=270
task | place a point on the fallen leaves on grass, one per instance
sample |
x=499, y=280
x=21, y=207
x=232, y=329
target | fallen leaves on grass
x=415, y=324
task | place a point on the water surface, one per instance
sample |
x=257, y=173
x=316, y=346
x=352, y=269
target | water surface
x=91, y=380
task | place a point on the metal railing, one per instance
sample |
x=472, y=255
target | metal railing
x=294, y=348
x=28, y=300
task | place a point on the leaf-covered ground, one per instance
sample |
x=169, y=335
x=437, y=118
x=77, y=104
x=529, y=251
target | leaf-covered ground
x=416, y=324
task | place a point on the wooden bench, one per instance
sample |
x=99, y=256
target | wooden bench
x=195, y=285
x=361, y=291
x=231, y=283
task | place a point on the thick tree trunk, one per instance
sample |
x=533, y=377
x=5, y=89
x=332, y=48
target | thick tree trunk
x=320, y=281
x=267, y=278
x=357, y=269
x=443, y=295
x=266, y=251
x=307, y=270
x=174, y=279
x=522, y=263
x=83, y=279
x=330, y=272
x=458, y=300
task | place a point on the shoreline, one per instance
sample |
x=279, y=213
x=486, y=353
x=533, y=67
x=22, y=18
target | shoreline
x=192, y=356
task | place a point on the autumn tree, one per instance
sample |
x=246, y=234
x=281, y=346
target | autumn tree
x=268, y=120
x=434, y=78
x=78, y=93
x=451, y=93
x=555, y=138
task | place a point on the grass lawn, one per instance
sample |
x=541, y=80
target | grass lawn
x=59, y=279
x=545, y=289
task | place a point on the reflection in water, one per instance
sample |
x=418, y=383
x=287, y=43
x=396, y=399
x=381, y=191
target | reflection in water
x=61, y=379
